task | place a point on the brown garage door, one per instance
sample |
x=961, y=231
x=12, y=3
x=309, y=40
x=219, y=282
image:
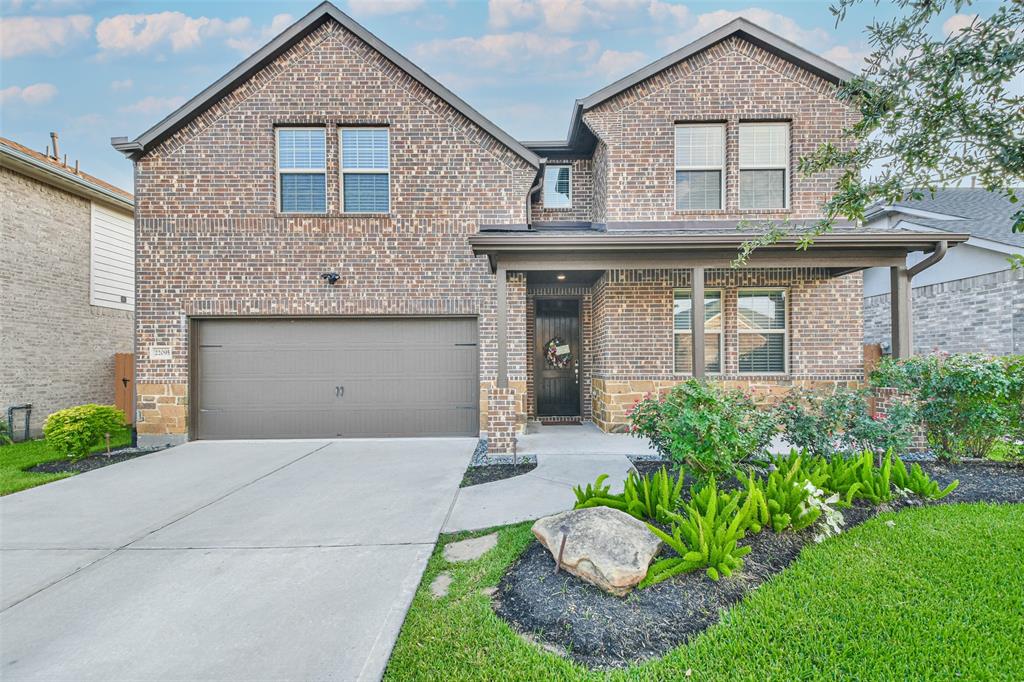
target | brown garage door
x=317, y=378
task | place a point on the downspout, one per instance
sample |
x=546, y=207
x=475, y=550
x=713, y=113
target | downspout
x=533, y=190
x=938, y=254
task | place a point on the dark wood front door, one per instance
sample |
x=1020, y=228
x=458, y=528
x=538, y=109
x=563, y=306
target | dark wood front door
x=557, y=358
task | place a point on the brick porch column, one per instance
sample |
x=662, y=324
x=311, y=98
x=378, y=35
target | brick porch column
x=501, y=421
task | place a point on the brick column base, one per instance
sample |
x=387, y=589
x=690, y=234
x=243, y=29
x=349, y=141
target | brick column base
x=501, y=421
x=883, y=399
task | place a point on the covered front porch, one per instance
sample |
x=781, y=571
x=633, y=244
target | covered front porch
x=587, y=322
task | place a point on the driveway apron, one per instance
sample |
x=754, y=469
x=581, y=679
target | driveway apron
x=255, y=560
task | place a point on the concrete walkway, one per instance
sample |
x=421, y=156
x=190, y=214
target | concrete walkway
x=544, y=491
x=579, y=439
x=232, y=560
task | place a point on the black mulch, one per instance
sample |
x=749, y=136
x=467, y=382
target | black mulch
x=89, y=463
x=602, y=631
x=494, y=472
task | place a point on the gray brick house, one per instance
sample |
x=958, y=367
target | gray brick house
x=331, y=243
x=66, y=283
x=972, y=301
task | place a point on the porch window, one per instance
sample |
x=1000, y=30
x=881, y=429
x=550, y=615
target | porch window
x=682, y=324
x=365, y=170
x=302, y=170
x=558, y=187
x=700, y=166
x=764, y=165
x=762, y=331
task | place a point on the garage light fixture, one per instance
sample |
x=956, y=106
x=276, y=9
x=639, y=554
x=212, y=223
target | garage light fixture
x=331, y=277
x=560, y=277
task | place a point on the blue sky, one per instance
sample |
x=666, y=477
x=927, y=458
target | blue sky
x=96, y=69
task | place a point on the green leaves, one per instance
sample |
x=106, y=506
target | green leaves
x=644, y=497
x=74, y=431
x=919, y=483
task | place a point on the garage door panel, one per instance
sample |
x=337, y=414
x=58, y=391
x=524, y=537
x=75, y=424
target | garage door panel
x=337, y=377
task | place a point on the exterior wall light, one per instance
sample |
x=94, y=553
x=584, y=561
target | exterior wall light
x=331, y=277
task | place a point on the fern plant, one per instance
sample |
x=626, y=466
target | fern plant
x=917, y=482
x=643, y=497
x=786, y=499
x=703, y=539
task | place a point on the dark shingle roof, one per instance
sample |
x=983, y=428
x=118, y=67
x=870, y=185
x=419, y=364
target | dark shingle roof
x=983, y=214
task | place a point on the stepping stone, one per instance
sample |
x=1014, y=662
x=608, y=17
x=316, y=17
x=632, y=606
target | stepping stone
x=468, y=550
x=488, y=591
x=439, y=586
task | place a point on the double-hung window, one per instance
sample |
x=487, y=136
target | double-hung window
x=365, y=170
x=558, y=187
x=764, y=165
x=700, y=166
x=683, y=327
x=302, y=170
x=762, y=331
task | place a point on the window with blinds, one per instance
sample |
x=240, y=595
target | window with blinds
x=302, y=170
x=682, y=325
x=700, y=166
x=365, y=170
x=761, y=322
x=764, y=165
x=557, y=187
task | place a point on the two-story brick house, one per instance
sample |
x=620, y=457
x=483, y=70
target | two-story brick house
x=330, y=243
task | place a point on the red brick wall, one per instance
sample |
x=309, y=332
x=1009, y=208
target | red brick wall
x=732, y=82
x=582, y=190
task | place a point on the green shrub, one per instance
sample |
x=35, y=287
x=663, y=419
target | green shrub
x=706, y=428
x=919, y=483
x=73, y=432
x=967, y=402
x=644, y=497
x=824, y=423
x=703, y=539
x=5, y=434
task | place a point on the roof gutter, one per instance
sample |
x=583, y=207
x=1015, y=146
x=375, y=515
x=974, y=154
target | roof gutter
x=23, y=162
x=938, y=254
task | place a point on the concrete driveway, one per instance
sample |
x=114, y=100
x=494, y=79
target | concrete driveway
x=230, y=560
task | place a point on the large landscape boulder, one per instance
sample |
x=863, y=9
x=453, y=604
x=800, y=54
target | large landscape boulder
x=605, y=547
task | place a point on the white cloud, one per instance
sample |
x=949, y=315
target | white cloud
x=957, y=23
x=37, y=93
x=154, y=105
x=125, y=84
x=504, y=13
x=41, y=35
x=612, y=64
x=668, y=11
x=140, y=33
x=506, y=51
x=250, y=43
x=851, y=58
x=367, y=7
x=809, y=38
x=562, y=16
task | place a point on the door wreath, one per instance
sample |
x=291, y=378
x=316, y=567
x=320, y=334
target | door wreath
x=557, y=354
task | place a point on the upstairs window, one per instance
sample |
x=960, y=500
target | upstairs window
x=764, y=165
x=762, y=331
x=557, y=187
x=302, y=170
x=365, y=170
x=700, y=166
x=683, y=327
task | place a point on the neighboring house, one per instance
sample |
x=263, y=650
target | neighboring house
x=971, y=300
x=330, y=243
x=67, y=283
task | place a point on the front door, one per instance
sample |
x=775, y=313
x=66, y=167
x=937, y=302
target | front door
x=557, y=358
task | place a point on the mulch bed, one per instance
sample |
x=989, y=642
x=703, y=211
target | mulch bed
x=573, y=618
x=95, y=461
x=494, y=472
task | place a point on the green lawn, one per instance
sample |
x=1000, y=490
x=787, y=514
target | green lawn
x=19, y=456
x=937, y=596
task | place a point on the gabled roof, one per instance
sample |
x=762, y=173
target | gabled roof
x=976, y=211
x=579, y=137
x=301, y=28
x=28, y=161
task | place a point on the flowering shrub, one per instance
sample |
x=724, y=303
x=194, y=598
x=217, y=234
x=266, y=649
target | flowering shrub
x=967, y=402
x=704, y=427
x=841, y=421
x=74, y=431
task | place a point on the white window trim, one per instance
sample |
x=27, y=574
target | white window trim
x=559, y=208
x=720, y=332
x=342, y=171
x=784, y=331
x=300, y=171
x=720, y=169
x=786, y=173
